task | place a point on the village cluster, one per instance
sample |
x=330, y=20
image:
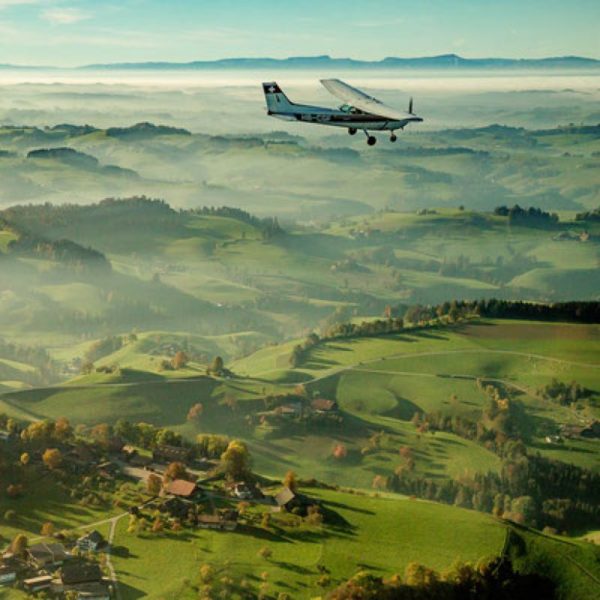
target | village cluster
x=176, y=489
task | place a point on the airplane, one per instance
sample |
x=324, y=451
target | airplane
x=359, y=110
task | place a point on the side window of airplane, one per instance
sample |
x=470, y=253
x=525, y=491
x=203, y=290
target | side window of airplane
x=348, y=108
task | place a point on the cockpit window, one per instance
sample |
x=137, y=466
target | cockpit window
x=348, y=108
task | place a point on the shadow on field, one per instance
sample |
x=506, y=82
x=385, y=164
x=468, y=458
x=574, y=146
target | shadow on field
x=129, y=591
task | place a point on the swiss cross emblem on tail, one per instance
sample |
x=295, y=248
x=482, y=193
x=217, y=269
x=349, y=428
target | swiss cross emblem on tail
x=271, y=88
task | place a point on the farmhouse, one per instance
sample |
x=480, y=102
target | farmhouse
x=85, y=579
x=181, y=488
x=91, y=541
x=167, y=454
x=80, y=573
x=47, y=555
x=37, y=584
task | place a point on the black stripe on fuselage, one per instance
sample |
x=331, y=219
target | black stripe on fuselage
x=332, y=118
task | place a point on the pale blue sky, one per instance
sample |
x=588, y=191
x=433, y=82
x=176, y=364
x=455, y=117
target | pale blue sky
x=75, y=32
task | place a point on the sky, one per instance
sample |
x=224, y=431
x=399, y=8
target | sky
x=78, y=32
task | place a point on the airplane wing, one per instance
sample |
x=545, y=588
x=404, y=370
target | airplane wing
x=362, y=101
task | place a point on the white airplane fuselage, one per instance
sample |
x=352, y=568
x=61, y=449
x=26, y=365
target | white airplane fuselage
x=339, y=118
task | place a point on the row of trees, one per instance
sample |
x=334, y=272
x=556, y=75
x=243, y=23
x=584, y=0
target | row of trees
x=532, y=217
x=490, y=579
x=46, y=370
x=269, y=226
x=564, y=393
x=70, y=254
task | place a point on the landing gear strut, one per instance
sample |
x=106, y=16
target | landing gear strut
x=352, y=131
x=371, y=140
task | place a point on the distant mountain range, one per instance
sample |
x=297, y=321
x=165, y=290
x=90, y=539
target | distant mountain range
x=444, y=61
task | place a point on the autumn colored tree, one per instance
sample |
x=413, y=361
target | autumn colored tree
x=102, y=433
x=195, y=412
x=339, y=451
x=52, y=458
x=406, y=452
x=153, y=484
x=176, y=470
x=19, y=544
x=47, y=529
x=25, y=458
x=180, y=360
x=265, y=553
x=62, y=429
x=291, y=481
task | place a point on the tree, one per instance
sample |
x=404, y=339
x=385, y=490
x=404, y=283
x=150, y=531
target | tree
x=153, y=484
x=180, y=360
x=420, y=576
x=291, y=481
x=19, y=544
x=102, y=433
x=265, y=522
x=236, y=460
x=62, y=429
x=47, y=529
x=176, y=470
x=339, y=451
x=52, y=458
x=265, y=553
x=207, y=573
x=217, y=365
x=195, y=412
x=14, y=489
x=25, y=458
x=406, y=452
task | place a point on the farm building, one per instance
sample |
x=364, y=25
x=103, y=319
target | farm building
x=217, y=522
x=47, y=555
x=37, y=584
x=167, y=454
x=91, y=541
x=85, y=580
x=289, y=500
x=8, y=574
x=181, y=488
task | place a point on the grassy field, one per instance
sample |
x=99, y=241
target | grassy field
x=383, y=535
x=378, y=382
x=379, y=534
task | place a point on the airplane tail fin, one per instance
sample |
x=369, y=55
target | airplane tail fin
x=277, y=101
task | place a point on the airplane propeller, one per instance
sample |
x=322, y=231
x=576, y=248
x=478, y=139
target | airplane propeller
x=410, y=107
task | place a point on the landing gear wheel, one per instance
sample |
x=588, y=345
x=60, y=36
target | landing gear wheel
x=371, y=140
x=352, y=131
x=393, y=137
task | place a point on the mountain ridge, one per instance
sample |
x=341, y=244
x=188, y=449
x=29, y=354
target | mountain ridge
x=445, y=61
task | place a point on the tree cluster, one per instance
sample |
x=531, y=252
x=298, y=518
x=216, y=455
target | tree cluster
x=494, y=579
x=532, y=217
